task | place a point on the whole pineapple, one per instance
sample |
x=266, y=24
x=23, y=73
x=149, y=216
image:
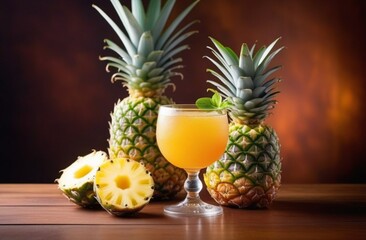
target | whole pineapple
x=249, y=173
x=145, y=66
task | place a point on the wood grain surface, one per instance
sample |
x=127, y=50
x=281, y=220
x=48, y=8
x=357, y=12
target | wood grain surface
x=327, y=211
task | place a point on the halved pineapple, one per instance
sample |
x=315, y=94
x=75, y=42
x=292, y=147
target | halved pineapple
x=123, y=186
x=76, y=181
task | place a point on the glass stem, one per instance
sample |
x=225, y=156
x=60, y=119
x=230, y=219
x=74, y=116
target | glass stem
x=192, y=205
x=193, y=186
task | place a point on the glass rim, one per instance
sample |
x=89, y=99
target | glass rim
x=187, y=107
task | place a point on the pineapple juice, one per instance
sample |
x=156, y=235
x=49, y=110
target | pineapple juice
x=192, y=139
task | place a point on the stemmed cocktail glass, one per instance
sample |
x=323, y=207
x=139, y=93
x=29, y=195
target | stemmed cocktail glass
x=192, y=139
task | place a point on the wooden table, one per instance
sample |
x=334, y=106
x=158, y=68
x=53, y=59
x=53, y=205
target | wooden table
x=39, y=211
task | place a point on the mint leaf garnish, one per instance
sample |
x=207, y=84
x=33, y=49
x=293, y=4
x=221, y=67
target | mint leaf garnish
x=215, y=102
x=205, y=103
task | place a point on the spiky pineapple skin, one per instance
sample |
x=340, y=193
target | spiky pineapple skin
x=133, y=136
x=249, y=173
x=83, y=196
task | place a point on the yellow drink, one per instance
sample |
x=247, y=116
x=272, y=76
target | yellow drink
x=191, y=138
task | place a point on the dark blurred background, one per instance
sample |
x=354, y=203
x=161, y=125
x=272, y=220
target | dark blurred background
x=56, y=96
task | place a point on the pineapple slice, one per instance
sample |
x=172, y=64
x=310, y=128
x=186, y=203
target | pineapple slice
x=123, y=186
x=77, y=180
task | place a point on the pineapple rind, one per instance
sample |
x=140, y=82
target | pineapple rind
x=133, y=136
x=83, y=196
x=249, y=173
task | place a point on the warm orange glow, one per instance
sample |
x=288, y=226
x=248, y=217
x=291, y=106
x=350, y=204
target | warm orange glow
x=56, y=96
x=320, y=103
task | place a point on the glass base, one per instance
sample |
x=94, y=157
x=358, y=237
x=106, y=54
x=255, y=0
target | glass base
x=193, y=208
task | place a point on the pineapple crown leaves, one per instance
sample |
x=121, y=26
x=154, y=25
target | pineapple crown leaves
x=243, y=79
x=148, y=57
